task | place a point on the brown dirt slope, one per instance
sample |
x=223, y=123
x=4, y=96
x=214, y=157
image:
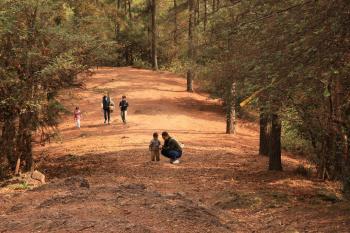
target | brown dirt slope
x=100, y=178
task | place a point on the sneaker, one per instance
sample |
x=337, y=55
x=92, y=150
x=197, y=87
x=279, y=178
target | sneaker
x=176, y=161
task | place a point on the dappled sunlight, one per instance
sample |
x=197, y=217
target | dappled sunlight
x=296, y=184
x=218, y=173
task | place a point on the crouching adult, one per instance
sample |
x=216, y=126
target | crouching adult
x=171, y=148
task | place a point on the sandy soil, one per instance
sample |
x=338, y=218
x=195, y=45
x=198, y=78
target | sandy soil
x=100, y=178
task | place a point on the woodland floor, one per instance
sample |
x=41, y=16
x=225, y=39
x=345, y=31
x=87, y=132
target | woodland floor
x=221, y=185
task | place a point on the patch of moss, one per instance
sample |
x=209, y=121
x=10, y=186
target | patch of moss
x=20, y=186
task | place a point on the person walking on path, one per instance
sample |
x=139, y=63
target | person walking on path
x=154, y=147
x=106, y=102
x=77, y=117
x=171, y=148
x=123, y=105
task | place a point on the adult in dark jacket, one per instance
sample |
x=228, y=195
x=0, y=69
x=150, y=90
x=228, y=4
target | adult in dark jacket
x=171, y=148
x=123, y=105
x=106, y=102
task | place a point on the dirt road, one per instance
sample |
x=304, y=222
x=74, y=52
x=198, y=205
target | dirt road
x=101, y=179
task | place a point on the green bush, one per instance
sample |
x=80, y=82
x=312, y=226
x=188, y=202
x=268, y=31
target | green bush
x=292, y=138
x=140, y=64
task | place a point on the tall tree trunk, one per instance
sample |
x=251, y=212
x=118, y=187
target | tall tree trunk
x=231, y=110
x=275, y=163
x=154, y=35
x=175, y=22
x=129, y=6
x=332, y=164
x=117, y=26
x=149, y=29
x=346, y=169
x=191, y=52
x=340, y=143
x=190, y=77
x=197, y=12
x=125, y=8
x=346, y=174
x=24, y=140
x=8, y=145
x=205, y=15
x=264, y=134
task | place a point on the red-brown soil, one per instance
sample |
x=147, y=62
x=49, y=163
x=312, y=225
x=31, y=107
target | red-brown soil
x=100, y=178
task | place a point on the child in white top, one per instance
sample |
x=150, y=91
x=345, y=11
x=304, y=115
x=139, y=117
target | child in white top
x=77, y=117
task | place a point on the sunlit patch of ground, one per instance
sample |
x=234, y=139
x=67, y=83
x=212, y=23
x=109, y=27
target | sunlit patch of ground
x=221, y=184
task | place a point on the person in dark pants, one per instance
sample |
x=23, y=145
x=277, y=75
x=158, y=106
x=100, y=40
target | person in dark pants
x=171, y=148
x=106, y=102
x=123, y=105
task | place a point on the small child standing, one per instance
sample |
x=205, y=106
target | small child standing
x=77, y=117
x=154, y=147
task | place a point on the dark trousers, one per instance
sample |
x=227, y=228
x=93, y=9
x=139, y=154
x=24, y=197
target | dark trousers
x=123, y=115
x=172, y=154
x=107, y=114
x=155, y=155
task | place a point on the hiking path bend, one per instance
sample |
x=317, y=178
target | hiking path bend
x=101, y=179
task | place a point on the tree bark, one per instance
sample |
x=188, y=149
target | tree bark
x=275, y=163
x=332, y=164
x=231, y=110
x=191, y=55
x=8, y=145
x=264, y=135
x=125, y=8
x=205, y=15
x=175, y=22
x=197, y=12
x=24, y=140
x=346, y=175
x=117, y=26
x=154, y=35
x=129, y=6
x=190, y=75
x=340, y=142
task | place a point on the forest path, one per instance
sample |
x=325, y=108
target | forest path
x=221, y=184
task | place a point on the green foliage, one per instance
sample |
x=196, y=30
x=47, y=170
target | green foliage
x=293, y=137
x=20, y=186
x=141, y=64
x=44, y=45
x=52, y=111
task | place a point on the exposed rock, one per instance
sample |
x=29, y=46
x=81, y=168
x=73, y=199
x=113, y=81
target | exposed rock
x=36, y=175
